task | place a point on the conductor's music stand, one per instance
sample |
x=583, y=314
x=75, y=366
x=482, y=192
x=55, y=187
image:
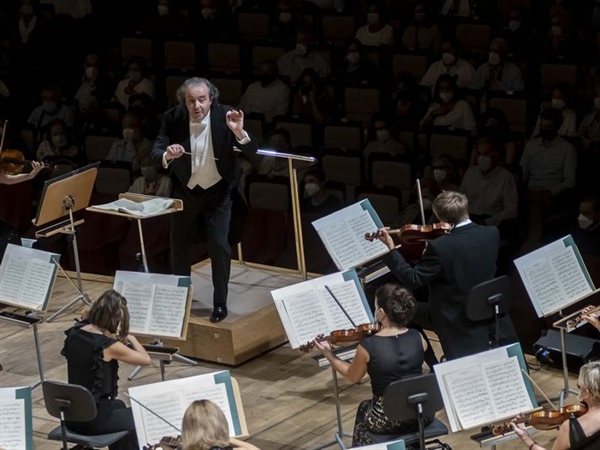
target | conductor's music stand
x=489, y=300
x=64, y=195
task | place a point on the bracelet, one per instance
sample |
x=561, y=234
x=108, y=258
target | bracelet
x=533, y=444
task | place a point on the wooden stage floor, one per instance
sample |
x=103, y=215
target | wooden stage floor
x=288, y=400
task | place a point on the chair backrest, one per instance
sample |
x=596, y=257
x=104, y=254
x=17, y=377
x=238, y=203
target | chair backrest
x=223, y=57
x=361, y=103
x=454, y=145
x=230, y=90
x=172, y=83
x=261, y=53
x=416, y=65
x=474, y=37
x=515, y=110
x=300, y=132
x=338, y=29
x=386, y=204
x=347, y=135
x=253, y=25
x=483, y=297
x=113, y=180
x=400, y=397
x=180, y=55
x=386, y=172
x=97, y=147
x=133, y=46
x=345, y=168
x=76, y=402
x=551, y=74
x=268, y=194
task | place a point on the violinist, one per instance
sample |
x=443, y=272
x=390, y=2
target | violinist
x=574, y=433
x=8, y=178
x=393, y=353
x=451, y=265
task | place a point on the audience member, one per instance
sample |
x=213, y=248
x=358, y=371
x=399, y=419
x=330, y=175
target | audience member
x=494, y=124
x=382, y=139
x=211, y=23
x=422, y=33
x=409, y=111
x=562, y=43
x=490, y=188
x=317, y=200
x=447, y=109
x=561, y=100
x=151, y=182
x=589, y=130
x=312, y=101
x=57, y=142
x=134, y=147
x=269, y=95
x=135, y=82
x=356, y=68
x=519, y=34
x=142, y=105
x=460, y=8
x=93, y=83
x=451, y=64
x=376, y=33
x=280, y=141
x=587, y=232
x=498, y=74
x=51, y=108
x=92, y=121
x=286, y=26
x=304, y=56
x=165, y=23
x=27, y=31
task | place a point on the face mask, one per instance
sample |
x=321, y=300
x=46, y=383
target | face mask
x=514, y=25
x=91, y=72
x=353, y=57
x=311, y=189
x=59, y=140
x=150, y=173
x=382, y=135
x=547, y=135
x=209, y=13
x=494, y=58
x=49, y=106
x=26, y=10
x=448, y=58
x=439, y=175
x=135, y=75
x=446, y=96
x=163, y=10
x=372, y=18
x=484, y=163
x=128, y=134
x=556, y=30
x=558, y=103
x=301, y=49
x=584, y=222
x=597, y=103
x=285, y=17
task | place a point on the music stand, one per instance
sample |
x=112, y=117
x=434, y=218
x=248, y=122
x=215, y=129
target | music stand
x=488, y=300
x=63, y=196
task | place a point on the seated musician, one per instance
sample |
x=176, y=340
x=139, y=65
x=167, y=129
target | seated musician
x=394, y=353
x=575, y=433
x=205, y=427
x=93, y=348
x=7, y=178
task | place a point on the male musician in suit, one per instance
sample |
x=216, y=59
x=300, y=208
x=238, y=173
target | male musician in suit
x=451, y=265
x=196, y=142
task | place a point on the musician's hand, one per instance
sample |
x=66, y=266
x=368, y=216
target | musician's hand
x=593, y=320
x=174, y=151
x=383, y=236
x=36, y=167
x=518, y=427
x=323, y=346
x=235, y=121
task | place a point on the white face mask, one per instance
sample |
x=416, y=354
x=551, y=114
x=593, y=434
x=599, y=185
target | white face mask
x=584, y=222
x=448, y=58
x=301, y=49
x=556, y=30
x=597, y=103
x=372, y=18
x=353, y=57
x=382, y=135
x=494, y=58
x=446, y=96
x=163, y=10
x=311, y=189
x=514, y=25
x=439, y=175
x=558, y=103
x=128, y=134
x=285, y=17
x=59, y=140
x=209, y=13
x=91, y=72
x=484, y=163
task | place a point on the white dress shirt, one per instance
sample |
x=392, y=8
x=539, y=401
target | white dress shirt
x=204, y=166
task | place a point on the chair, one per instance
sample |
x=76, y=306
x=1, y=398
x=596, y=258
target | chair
x=343, y=135
x=230, y=90
x=261, y=53
x=180, y=55
x=551, y=74
x=223, y=57
x=338, y=29
x=133, y=46
x=113, y=180
x=268, y=193
x=455, y=145
x=474, y=37
x=301, y=133
x=515, y=109
x=413, y=398
x=253, y=25
x=416, y=65
x=172, y=83
x=71, y=402
x=386, y=202
x=361, y=103
x=489, y=300
x=97, y=147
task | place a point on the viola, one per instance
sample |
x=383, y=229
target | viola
x=345, y=337
x=546, y=419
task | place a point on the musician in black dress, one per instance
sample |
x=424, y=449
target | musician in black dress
x=93, y=348
x=396, y=352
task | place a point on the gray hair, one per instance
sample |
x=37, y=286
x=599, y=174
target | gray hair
x=213, y=91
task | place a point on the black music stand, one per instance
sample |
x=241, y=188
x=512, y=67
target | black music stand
x=63, y=196
x=489, y=300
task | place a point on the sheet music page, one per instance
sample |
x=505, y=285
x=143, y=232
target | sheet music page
x=39, y=278
x=139, y=209
x=470, y=396
x=347, y=295
x=341, y=245
x=168, y=310
x=139, y=298
x=11, y=277
x=360, y=225
x=570, y=274
x=216, y=393
x=167, y=404
x=507, y=388
x=12, y=424
x=546, y=292
x=307, y=316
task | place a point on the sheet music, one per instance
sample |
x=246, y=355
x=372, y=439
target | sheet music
x=11, y=280
x=146, y=208
x=169, y=406
x=139, y=302
x=545, y=285
x=470, y=396
x=306, y=315
x=339, y=242
x=39, y=278
x=168, y=305
x=12, y=424
x=569, y=273
x=347, y=295
x=216, y=393
x=505, y=382
x=360, y=225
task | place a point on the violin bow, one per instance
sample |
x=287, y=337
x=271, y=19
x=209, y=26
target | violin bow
x=539, y=389
x=3, y=134
x=421, y=201
x=150, y=411
x=341, y=307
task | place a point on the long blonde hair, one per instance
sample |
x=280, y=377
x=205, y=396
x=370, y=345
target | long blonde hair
x=204, y=426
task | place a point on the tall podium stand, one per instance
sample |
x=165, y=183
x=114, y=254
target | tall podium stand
x=62, y=196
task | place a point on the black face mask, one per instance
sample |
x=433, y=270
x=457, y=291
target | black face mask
x=548, y=135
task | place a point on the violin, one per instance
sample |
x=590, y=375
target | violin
x=13, y=161
x=545, y=419
x=166, y=443
x=345, y=337
x=415, y=234
x=587, y=311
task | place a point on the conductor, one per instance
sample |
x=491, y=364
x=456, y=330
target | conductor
x=195, y=143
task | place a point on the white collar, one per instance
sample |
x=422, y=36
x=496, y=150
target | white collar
x=463, y=223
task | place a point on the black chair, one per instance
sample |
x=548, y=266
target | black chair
x=490, y=300
x=74, y=403
x=414, y=398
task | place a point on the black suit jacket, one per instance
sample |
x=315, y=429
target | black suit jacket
x=175, y=129
x=451, y=265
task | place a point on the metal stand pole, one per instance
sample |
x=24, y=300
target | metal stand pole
x=36, y=340
x=566, y=390
x=339, y=435
x=142, y=246
x=296, y=216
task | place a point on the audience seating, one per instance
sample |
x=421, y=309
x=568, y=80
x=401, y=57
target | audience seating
x=135, y=46
x=253, y=25
x=180, y=55
x=223, y=57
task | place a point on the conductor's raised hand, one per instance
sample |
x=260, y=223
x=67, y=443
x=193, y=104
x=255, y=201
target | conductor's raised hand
x=235, y=122
x=384, y=236
x=174, y=151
